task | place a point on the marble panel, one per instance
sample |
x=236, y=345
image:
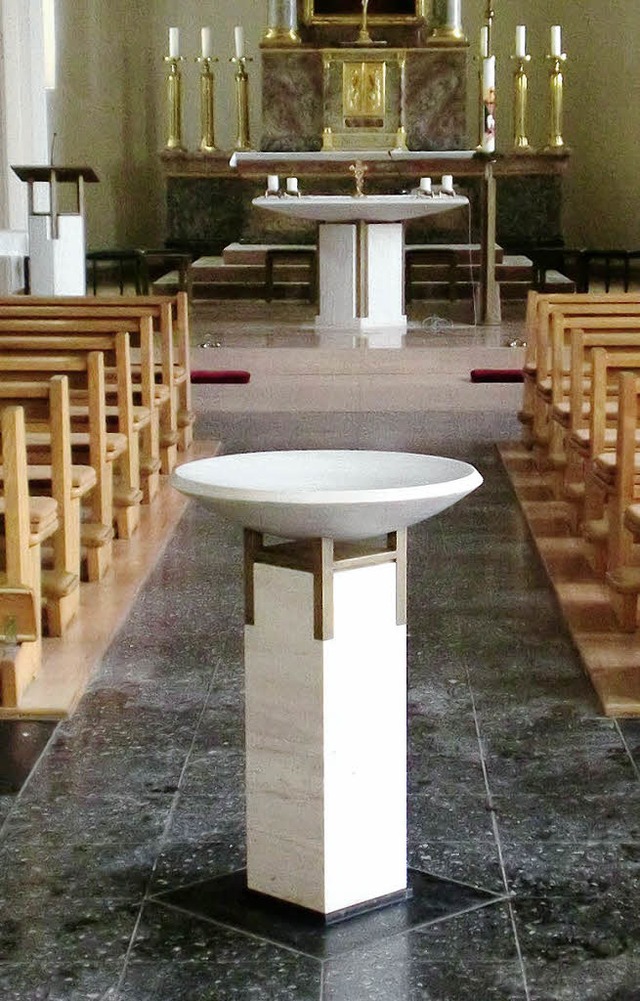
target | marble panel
x=435, y=102
x=337, y=275
x=292, y=101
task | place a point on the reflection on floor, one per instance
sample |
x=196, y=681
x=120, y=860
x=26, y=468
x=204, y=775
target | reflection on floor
x=516, y=783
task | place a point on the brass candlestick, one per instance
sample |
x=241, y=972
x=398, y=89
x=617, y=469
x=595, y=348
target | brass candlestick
x=242, y=101
x=556, y=95
x=207, y=104
x=364, y=38
x=174, y=103
x=520, y=101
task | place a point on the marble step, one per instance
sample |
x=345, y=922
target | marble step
x=255, y=253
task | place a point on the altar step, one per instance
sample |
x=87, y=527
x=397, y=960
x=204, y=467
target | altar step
x=241, y=271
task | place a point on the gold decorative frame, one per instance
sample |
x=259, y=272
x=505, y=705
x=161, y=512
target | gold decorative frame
x=421, y=13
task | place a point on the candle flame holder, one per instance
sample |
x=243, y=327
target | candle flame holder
x=207, y=104
x=174, y=103
x=243, y=141
x=556, y=107
x=520, y=103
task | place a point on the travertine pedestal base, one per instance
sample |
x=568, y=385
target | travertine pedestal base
x=325, y=659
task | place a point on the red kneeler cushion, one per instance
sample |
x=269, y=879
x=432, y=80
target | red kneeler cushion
x=496, y=375
x=220, y=376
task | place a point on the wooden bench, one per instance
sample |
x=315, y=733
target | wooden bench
x=50, y=471
x=170, y=318
x=127, y=494
x=91, y=445
x=26, y=524
x=541, y=308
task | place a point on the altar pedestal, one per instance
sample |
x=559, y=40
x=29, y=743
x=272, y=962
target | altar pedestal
x=326, y=729
x=57, y=245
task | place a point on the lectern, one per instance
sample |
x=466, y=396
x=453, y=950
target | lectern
x=57, y=239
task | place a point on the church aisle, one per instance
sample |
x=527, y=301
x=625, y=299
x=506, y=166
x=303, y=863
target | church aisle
x=515, y=780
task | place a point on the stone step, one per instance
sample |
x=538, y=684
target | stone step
x=254, y=253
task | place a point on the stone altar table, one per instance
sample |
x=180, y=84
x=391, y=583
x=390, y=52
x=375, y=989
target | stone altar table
x=361, y=252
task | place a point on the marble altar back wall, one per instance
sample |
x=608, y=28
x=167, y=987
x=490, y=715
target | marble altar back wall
x=109, y=105
x=293, y=98
x=207, y=213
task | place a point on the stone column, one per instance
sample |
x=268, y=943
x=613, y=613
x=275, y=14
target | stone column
x=282, y=23
x=447, y=23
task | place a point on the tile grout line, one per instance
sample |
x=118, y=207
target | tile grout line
x=496, y=835
x=634, y=764
x=113, y=994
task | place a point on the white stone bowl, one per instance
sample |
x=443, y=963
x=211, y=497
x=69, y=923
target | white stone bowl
x=345, y=495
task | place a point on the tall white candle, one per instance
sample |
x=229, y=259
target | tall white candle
x=273, y=184
x=454, y=14
x=556, y=40
x=238, y=34
x=484, y=42
x=489, y=101
x=425, y=185
x=447, y=184
x=292, y=185
x=206, y=43
x=174, y=42
x=521, y=40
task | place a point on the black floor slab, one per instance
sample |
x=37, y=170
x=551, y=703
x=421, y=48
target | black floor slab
x=21, y=744
x=226, y=901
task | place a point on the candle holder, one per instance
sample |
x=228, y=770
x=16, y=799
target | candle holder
x=520, y=102
x=242, y=101
x=174, y=103
x=207, y=104
x=556, y=95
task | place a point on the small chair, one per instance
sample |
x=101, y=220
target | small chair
x=167, y=258
x=124, y=260
x=280, y=255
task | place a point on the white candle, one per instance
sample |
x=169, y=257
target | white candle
x=454, y=14
x=489, y=101
x=238, y=34
x=447, y=183
x=521, y=40
x=174, y=43
x=206, y=43
x=556, y=40
x=292, y=185
x=425, y=185
x=273, y=184
x=484, y=42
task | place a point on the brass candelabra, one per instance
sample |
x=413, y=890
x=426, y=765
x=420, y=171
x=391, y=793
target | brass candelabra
x=243, y=140
x=556, y=99
x=174, y=102
x=207, y=104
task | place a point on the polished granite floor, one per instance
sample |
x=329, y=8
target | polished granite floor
x=517, y=786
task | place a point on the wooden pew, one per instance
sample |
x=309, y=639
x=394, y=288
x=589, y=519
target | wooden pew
x=51, y=473
x=170, y=315
x=541, y=307
x=154, y=411
x=553, y=393
x=623, y=575
x=92, y=445
x=26, y=524
x=50, y=336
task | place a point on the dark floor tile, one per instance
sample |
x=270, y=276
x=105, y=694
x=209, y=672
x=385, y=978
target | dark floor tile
x=70, y=981
x=21, y=744
x=176, y=958
x=470, y=957
x=226, y=901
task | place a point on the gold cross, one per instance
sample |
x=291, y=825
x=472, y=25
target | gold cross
x=358, y=169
